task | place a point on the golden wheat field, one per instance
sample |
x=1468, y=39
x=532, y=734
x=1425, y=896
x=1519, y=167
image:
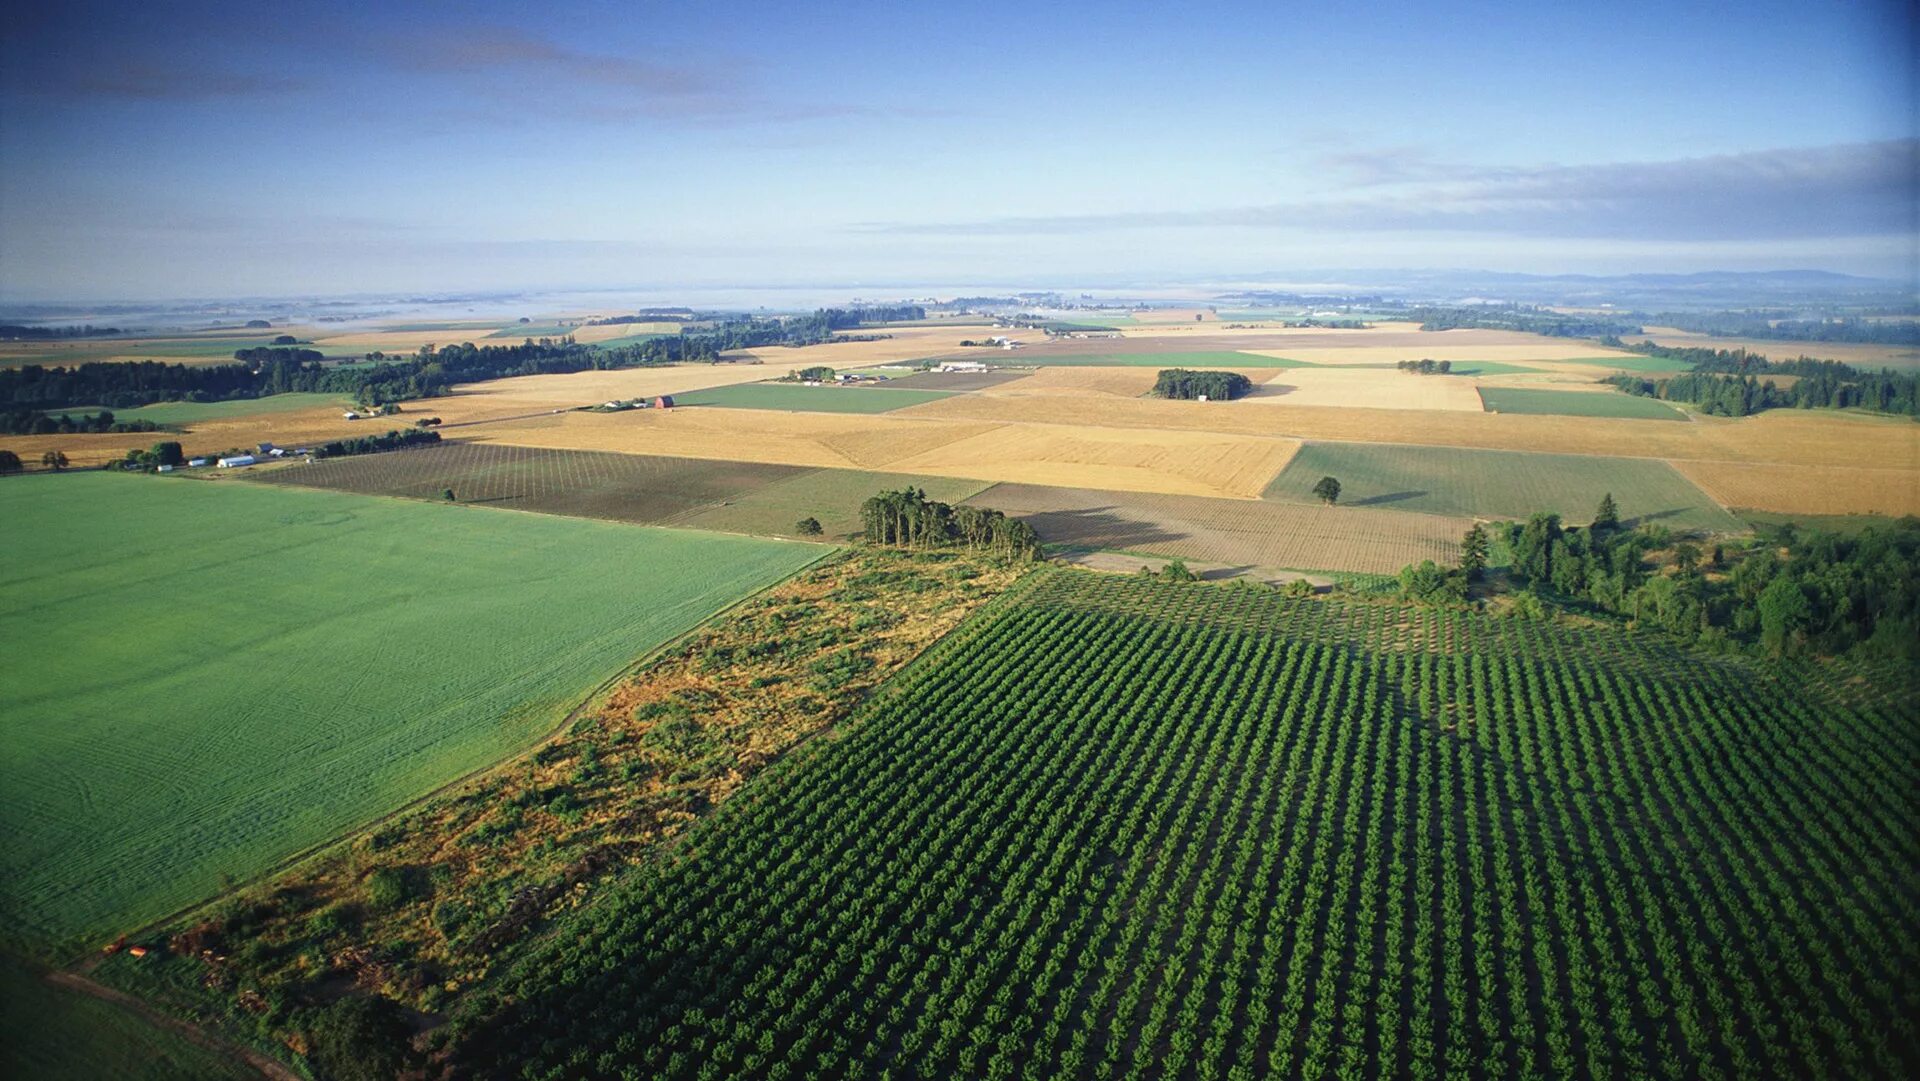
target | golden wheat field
x=1783, y=436
x=1080, y=382
x=1364, y=387
x=1807, y=489
x=1170, y=463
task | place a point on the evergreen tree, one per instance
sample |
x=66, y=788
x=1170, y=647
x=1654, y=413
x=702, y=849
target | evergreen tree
x=1608, y=516
x=1473, y=552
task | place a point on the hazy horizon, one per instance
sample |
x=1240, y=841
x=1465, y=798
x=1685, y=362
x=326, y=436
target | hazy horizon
x=155, y=151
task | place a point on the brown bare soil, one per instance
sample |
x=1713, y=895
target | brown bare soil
x=1232, y=533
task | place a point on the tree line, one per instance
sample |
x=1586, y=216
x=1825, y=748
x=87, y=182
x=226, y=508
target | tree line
x=909, y=519
x=1519, y=317
x=34, y=422
x=1734, y=383
x=17, y=332
x=1779, y=326
x=1425, y=366
x=1795, y=591
x=1185, y=385
x=430, y=372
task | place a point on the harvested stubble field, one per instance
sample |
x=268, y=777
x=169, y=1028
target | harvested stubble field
x=1102, y=382
x=1499, y=484
x=826, y=398
x=1808, y=489
x=898, y=344
x=1576, y=403
x=281, y=665
x=586, y=484
x=1789, y=436
x=1241, y=533
x=1217, y=358
x=1366, y=387
x=1169, y=462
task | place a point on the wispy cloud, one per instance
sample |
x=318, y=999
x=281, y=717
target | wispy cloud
x=1855, y=189
x=182, y=83
x=518, y=75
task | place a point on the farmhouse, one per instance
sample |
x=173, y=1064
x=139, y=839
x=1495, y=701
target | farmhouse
x=236, y=461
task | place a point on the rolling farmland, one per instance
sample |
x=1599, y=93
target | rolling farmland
x=1208, y=359
x=1498, y=484
x=1127, y=828
x=1235, y=532
x=1576, y=403
x=254, y=669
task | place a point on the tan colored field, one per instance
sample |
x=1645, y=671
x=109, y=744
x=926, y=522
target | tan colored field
x=1170, y=315
x=1173, y=463
x=1784, y=436
x=1858, y=353
x=1807, y=489
x=1081, y=382
x=1364, y=387
x=406, y=341
x=609, y=331
x=901, y=343
x=1439, y=346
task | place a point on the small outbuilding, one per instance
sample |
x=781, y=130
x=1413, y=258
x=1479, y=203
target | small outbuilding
x=664, y=401
x=237, y=461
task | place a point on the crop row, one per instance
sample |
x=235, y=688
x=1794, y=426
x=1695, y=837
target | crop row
x=1137, y=829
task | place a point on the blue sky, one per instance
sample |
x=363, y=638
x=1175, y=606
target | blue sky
x=157, y=150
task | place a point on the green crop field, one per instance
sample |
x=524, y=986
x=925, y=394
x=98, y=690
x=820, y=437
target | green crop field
x=1214, y=359
x=1499, y=484
x=806, y=399
x=1487, y=367
x=1123, y=828
x=1575, y=403
x=195, y=412
x=58, y=1035
x=205, y=677
x=833, y=496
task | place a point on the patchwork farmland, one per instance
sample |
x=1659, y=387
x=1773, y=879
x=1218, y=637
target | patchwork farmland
x=1499, y=484
x=826, y=398
x=326, y=659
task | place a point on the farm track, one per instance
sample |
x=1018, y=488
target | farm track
x=267, y=1066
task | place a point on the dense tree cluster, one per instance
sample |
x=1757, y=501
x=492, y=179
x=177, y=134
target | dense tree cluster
x=33, y=422
x=909, y=519
x=1815, y=591
x=1185, y=385
x=1734, y=383
x=374, y=444
x=1426, y=366
x=847, y=318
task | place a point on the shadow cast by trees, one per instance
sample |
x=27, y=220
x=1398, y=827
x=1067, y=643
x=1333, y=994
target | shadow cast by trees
x=1099, y=527
x=1390, y=497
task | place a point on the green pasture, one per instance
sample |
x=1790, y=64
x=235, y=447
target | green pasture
x=1575, y=403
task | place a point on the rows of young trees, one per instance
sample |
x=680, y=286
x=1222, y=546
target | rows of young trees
x=1736, y=383
x=1425, y=366
x=1124, y=828
x=909, y=519
x=1185, y=385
